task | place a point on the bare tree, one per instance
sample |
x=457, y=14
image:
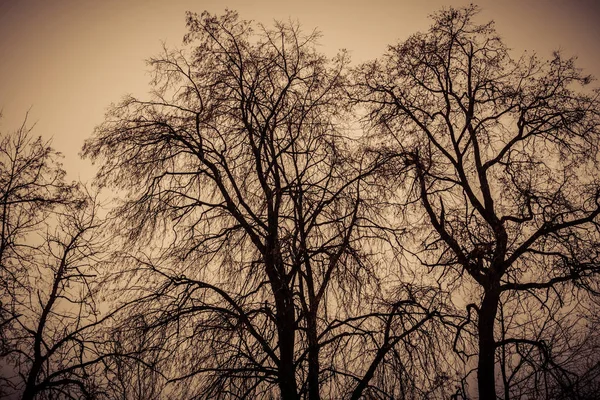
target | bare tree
x=503, y=156
x=58, y=345
x=53, y=328
x=31, y=185
x=251, y=253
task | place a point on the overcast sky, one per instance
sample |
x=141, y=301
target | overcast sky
x=68, y=60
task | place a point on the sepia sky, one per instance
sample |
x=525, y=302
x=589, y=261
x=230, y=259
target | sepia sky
x=68, y=60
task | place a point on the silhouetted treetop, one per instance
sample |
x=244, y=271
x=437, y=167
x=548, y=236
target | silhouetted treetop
x=242, y=174
x=504, y=163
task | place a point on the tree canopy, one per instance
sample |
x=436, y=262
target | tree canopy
x=287, y=225
x=503, y=159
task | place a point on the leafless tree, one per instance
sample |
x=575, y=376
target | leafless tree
x=57, y=345
x=31, y=185
x=252, y=255
x=54, y=332
x=503, y=186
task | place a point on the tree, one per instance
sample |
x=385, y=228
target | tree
x=51, y=251
x=503, y=167
x=31, y=185
x=250, y=244
x=60, y=345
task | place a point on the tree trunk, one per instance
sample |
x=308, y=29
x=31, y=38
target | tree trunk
x=28, y=393
x=313, y=357
x=286, y=333
x=486, y=378
x=30, y=387
x=286, y=329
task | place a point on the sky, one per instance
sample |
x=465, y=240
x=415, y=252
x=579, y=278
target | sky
x=66, y=61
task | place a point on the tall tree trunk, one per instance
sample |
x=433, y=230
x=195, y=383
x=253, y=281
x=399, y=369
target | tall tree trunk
x=286, y=325
x=313, y=357
x=286, y=333
x=28, y=393
x=487, y=345
x=30, y=386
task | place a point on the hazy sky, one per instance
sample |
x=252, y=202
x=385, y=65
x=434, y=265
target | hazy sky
x=68, y=60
